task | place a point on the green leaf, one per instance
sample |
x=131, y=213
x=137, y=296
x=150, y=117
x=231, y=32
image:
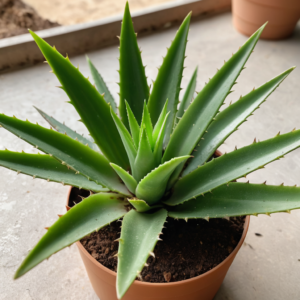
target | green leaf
x=133, y=81
x=240, y=199
x=227, y=121
x=134, y=126
x=159, y=142
x=207, y=103
x=89, y=215
x=168, y=80
x=126, y=139
x=152, y=187
x=139, y=235
x=146, y=122
x=90, y=105
x=129, y=181
x=62, y=128
x=160, y=122
x=45, y=167
x=141, y=205
x=71, y=153
x=232, y=166
x=188, y=95
x=101, y=86
x=145, y=161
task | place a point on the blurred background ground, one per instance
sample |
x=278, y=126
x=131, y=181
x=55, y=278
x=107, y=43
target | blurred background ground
x=69, y=12
x=17, y=16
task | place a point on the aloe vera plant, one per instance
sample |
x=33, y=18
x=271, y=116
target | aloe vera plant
x=151, y=161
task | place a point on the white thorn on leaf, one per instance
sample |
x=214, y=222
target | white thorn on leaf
x=152, y=254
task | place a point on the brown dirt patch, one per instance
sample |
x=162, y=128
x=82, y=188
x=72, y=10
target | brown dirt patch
x=16, y=17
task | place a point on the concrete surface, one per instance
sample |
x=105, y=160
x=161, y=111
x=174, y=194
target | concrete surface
x=267, y=267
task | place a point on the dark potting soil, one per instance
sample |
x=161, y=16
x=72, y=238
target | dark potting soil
x=188, y=248
x=16, y=17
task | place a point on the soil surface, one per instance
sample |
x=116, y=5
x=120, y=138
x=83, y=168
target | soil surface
x=16, y=17
x=188, y=248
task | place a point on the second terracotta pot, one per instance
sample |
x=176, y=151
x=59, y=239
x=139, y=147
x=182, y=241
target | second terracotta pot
x=281, y=15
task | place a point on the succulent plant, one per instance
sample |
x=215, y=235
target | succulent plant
x=155, y=160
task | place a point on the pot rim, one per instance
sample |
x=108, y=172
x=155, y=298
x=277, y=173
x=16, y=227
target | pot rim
x=105, y=269
x=287, y=7
x=292, y=22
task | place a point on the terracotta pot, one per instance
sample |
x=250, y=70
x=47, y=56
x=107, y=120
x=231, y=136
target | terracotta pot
x=281, y=15
x=203, y=287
